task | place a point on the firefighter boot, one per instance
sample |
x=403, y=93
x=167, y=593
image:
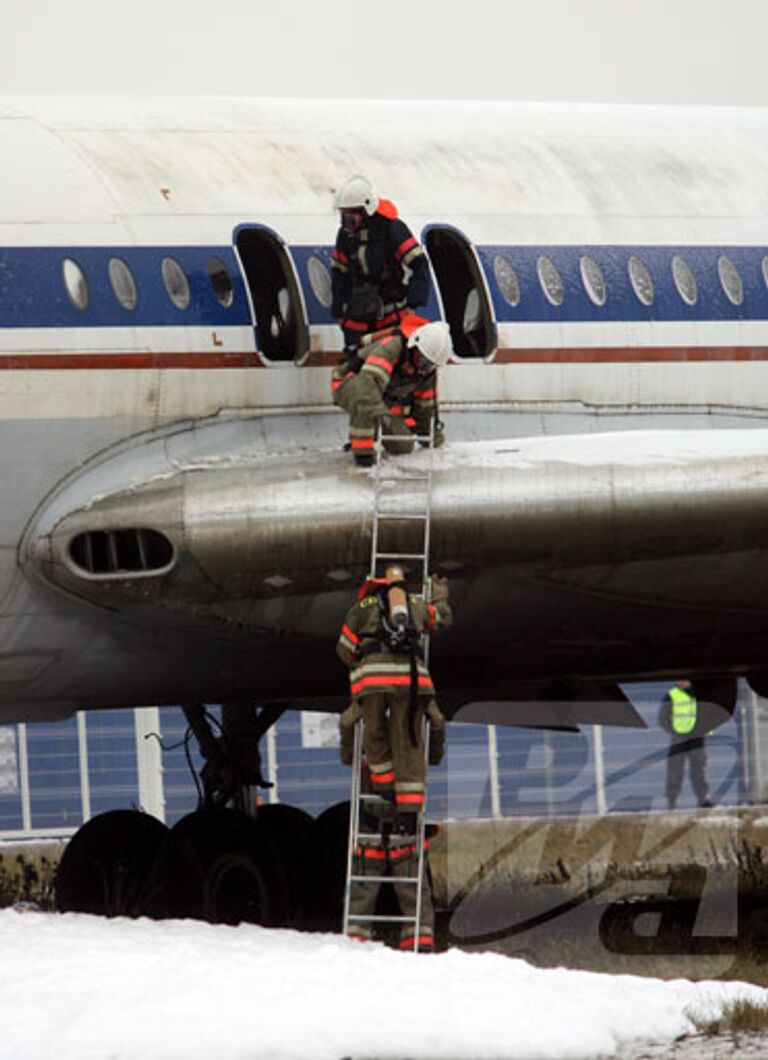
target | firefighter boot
x=406, y=823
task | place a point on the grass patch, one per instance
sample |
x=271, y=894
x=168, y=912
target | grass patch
x=27, y=878
x=741, y=1016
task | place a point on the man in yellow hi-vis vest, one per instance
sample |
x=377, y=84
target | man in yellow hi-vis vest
x=680, y=717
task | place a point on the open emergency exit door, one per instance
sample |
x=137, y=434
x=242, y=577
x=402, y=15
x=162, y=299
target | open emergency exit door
x=279, y=313
x=463, y=291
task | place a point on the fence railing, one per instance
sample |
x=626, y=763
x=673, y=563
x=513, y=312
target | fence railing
x=55, y=775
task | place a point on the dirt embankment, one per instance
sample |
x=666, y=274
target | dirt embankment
x=669, y=894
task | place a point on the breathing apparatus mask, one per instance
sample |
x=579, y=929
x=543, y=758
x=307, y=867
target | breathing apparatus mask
x=422, y=364
x=353, y=219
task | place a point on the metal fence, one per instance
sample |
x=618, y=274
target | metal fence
x=54, y=776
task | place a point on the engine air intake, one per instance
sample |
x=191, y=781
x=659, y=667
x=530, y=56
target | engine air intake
x=104, y=553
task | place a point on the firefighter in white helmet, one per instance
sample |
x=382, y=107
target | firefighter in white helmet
x=395, y=386
x=379, y=270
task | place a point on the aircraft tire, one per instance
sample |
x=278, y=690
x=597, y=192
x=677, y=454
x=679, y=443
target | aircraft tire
x=221, y=866
x=329, y=853
x=291, y=830
x=107, y=863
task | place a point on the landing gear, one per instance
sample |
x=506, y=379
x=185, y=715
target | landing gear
x=232, y=758
x=230, y=861
x=221, y=866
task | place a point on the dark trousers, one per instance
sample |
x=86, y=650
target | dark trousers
x=402, y=862
x=682, y=749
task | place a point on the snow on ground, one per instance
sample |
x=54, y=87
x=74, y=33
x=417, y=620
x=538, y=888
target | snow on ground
x=82, y=987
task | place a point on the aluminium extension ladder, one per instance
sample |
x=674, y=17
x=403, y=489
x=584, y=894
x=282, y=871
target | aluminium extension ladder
x=387, y=478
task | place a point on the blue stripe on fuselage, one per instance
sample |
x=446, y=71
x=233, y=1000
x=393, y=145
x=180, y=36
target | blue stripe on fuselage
x=621, y=302
x=32, y=291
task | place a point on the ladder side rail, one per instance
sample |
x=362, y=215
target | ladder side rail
x=377, y=448
x=420, y=838
x=428, y=533
x=354, y=818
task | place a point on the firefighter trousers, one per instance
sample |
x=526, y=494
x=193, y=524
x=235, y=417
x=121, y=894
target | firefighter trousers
x=361, y=397
x=397, y=862
x=395, y=762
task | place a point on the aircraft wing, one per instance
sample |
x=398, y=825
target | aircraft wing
x=574, y=563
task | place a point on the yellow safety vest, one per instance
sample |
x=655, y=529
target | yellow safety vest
x=683, y=711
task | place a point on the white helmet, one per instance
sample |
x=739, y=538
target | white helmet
x=433, y=341
x=355, y=193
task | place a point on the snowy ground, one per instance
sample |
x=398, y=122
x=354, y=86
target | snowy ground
x=84, y=987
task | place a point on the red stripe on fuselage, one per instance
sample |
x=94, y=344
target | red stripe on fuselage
x=230, y=359
x=631, y=354
x=249, y=359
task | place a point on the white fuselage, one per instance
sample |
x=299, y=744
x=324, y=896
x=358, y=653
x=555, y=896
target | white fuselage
x=525, y=187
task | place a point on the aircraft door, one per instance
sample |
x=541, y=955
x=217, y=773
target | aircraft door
x=277, y=303
x=463, y=291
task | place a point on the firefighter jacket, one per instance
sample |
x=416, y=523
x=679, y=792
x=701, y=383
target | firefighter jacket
x=353, y=713
x=394, y=372
x=372, y=667
x=377, y=256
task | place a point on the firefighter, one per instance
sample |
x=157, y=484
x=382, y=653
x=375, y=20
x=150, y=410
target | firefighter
x=379, y=271
x=394, y=856
x=394, y=384
x=679, y=715
x=392, y=691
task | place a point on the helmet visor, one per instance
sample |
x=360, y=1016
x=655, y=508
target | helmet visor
x=352, y=219
x=422, y=364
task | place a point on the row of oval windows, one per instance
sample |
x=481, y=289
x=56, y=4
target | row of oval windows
x=177, y=284
x=591, y=276
x=639, y=276
x=124, y=285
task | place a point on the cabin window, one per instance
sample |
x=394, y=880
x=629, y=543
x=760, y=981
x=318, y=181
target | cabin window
x=116, y=553
x=123, y=284
x=463, y=292
x=75, y=283
x=221, y=282
x=278, y=307
x=320, y=280
x=593, y=280
x=641, y=280
x=730, y=280
x=176, y=283
x=550, y=279
x=506, y=279
x=685, y=280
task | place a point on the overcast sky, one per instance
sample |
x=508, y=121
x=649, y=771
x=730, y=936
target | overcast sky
x=656, y=51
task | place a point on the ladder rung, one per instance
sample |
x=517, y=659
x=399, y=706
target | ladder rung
x=384, y=919
x=405, y=437
x=385, y=879
x=409, y=476
x=401, y=515
x=402, y=555
x=405, y=840
x=410, y=437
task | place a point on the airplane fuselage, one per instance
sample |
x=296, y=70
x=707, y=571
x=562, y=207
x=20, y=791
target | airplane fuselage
x=165, y=352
